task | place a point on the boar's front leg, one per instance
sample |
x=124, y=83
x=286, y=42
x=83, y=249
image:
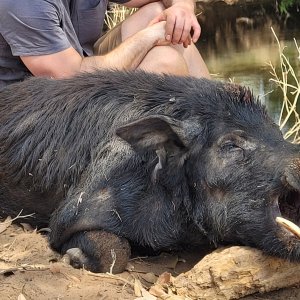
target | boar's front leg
x=79, y=228
x=97, y=251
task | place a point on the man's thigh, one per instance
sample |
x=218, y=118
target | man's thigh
x=109, y=41
x=132, y=24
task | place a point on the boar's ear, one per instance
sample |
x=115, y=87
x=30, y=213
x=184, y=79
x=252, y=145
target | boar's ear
x=155, y=132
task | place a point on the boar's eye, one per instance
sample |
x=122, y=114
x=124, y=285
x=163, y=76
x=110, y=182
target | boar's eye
x=233, y=145
x=230, y=150
x=230, y=146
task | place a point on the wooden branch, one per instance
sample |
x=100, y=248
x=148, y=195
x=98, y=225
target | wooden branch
x=235, y=272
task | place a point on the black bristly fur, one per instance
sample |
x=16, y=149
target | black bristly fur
x=60, y=155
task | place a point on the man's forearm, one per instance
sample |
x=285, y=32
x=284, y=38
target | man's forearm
x=167, y=3
x=127, y=55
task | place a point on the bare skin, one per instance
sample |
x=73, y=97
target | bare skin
x=144, y=46
x=161, y=59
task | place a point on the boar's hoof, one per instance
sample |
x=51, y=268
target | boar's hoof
x=76, y=258
x=97, y=251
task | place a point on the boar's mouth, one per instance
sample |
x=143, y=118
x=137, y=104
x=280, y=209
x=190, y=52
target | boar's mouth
x=288, y=218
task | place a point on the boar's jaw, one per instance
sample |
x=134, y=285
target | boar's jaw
x=289, y=202
x=288, y=212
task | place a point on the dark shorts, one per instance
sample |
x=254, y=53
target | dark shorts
x=109, y=41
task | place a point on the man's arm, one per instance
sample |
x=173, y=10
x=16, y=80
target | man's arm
x=140, y=3
x=127, y=55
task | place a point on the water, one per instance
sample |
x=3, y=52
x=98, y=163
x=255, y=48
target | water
x=241, y=50
x=250, y=67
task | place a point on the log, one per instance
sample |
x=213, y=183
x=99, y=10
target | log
x=234, y=272
x=232, y=2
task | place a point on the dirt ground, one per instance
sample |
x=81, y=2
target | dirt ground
x=29, y=269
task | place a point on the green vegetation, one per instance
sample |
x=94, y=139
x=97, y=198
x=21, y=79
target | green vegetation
x=285, y=5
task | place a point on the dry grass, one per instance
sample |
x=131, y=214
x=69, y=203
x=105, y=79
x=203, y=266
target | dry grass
x=287, y=80
x=116, y=14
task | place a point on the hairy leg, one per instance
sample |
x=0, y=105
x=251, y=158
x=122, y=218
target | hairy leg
x=163, y=59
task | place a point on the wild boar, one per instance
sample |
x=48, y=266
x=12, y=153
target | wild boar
x=113, y=159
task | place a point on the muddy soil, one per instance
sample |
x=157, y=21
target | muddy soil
x=29, y=269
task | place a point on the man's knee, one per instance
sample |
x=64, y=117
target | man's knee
x=165, y=59
x=151, y=10
x=174, y=62
x=141, y=19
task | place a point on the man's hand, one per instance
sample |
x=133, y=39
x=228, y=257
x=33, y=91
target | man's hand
x=180, y=21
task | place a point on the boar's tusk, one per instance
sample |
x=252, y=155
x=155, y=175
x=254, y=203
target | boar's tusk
x=290, y=226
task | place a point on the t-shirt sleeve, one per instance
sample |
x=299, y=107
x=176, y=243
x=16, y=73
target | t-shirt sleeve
x=32, y=27
x=119, y=1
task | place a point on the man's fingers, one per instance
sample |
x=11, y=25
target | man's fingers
x=185, y=32
x=196, y=31
x=187, y=42
x=178, y=30
x=171, y=22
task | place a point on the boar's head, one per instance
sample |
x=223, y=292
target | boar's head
x=251, y=183
x=238, y=178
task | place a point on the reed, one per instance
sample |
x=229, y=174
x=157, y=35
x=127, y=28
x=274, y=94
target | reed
x=287, y=79
x=116, y=14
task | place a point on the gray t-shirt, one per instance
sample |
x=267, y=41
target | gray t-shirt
x=41, y=27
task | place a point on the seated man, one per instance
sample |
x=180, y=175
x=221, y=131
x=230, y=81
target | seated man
x=55, y=38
